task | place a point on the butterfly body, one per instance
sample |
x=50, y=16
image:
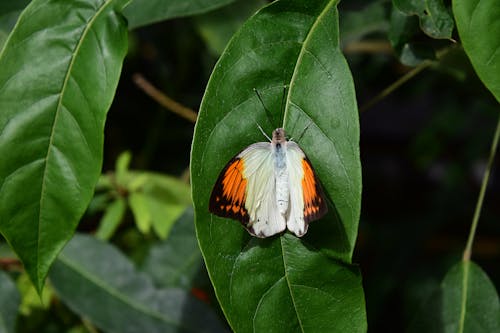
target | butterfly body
x=269, y=187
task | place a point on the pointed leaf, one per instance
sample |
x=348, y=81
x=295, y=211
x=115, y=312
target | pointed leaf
x=111, y=219
x=466, y=302
x=9, y=300
x=139, y=205
x=122, y=165
x=114, y=296
x=294, y=43
x=58, y=74
x=144, y=12
x=478, y=23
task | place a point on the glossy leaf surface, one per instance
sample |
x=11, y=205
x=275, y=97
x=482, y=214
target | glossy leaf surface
x=478, y=23
x=58, y=74
x=293, y=43
x=144, y=12
x=466, y=302
x=117, y=298
x=9, y=300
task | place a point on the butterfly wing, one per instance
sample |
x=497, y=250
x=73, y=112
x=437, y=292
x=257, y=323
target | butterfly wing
x=307, y=200
x=246, y=191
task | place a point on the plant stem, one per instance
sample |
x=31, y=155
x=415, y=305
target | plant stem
x=398, y=83
x=164, y=100
x=484, y=185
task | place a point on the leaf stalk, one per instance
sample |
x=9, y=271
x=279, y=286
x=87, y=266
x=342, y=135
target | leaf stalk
x=484, y=185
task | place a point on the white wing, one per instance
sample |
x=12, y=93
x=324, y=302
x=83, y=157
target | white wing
x=295, y=219
x=264, y=217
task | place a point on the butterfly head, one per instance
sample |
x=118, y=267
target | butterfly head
x=279, y=135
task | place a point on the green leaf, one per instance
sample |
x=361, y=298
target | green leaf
x=163, y=215
x=58, y=74
x=402, y=34
x=478, y=23
x=293, y=43
x=165, y=199
x=144, y=12
x=9, y=300
x=111, y=219
x=176, y=261
x=139, y=205
x=466, y=302
x=122, y=164
x=9, y=12
x=31, y=301
x=435, y=19
x=217, y=27
x=117, y=298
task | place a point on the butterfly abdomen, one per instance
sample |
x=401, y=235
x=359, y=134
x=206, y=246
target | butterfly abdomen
x=282, y=181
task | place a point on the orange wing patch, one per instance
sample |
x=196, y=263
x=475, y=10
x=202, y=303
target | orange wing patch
x=314, y=202
x=229, y=193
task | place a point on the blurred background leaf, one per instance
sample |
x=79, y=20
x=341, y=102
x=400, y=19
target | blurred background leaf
x=9, y=300
x=435, y=19
x=144, y=12
x=218, y=26
x=118, y=298
x=176, y=262
x=449, y=310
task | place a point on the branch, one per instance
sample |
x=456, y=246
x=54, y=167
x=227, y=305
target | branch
x=163, y=99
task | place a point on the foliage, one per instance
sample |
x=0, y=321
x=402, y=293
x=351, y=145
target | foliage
x=135, y=263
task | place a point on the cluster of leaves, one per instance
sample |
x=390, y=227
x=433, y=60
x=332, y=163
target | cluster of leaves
x=57, y=82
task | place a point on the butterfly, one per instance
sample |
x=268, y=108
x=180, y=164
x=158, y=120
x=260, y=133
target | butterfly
x=269, y=187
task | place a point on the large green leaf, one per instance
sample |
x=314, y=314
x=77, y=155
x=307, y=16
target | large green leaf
x=478, y=23
x=466, y=302
x=58, y=74
x=9, y=12
x=9, y=300
x=435, y=19
x=293, y=43
x=98, y=282
x=144, y=12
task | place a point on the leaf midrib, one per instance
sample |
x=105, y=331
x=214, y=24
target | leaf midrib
x=465, y=280
x=303, y=50
x=52, y=131
x=289, y=285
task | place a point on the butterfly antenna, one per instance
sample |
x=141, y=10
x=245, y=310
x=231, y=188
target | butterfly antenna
x=268, y=113
x=263, y=132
